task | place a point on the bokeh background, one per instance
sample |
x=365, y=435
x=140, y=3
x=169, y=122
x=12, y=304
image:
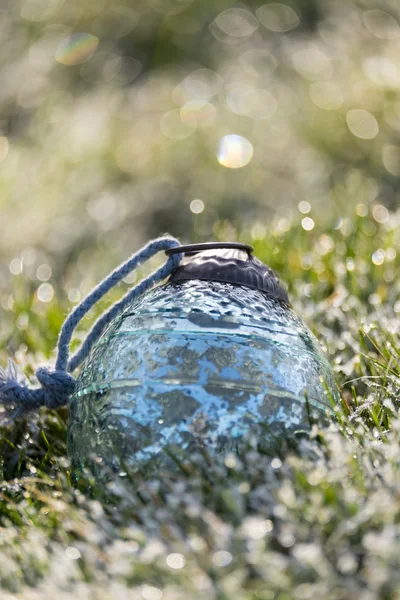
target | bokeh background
x=206, y=119
x=272, y=123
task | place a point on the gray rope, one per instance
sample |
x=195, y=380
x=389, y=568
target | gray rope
x=57, y=386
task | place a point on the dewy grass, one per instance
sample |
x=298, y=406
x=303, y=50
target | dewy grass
x=315, y=518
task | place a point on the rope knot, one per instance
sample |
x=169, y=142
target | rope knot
x=57, y=386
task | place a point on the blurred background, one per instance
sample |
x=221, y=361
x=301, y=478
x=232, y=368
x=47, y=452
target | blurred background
x=121, y=120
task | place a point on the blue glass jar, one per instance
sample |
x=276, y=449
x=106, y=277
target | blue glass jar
x=201, y=360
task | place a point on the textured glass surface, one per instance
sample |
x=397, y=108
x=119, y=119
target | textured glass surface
x=195, y=362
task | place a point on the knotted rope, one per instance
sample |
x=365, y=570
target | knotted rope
x=57, y=386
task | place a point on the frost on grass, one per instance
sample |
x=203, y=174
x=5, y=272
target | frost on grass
x=316, y=519
x=319, y=520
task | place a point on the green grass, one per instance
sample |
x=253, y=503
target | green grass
x=316, y=519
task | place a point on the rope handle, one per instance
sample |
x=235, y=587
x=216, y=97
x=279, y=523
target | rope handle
x=56, y=387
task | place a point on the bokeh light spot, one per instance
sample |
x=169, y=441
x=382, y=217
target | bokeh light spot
x=128, y=69
x=391, y=254
x=378, y=257
x=326, y=95
x=175, y=561
x=256, y=528
x=234, y=151
x=278, y=17
x=258, y=231
x=380, y=213
x=197, y=206
x=198, y=113
x=258, y=62
x=231, y=461
x=45, y=292
x=244, y=487
x=222, y=558
x=150, y=592
x=312, y=63
x=123, y=20
x=381, y=24
x=110, y=67
x=304, y=207
x=16, y=266
x=74, y=295
x=23, y=321
x=40, y=10
x=76, y=49
x=72, y=553
x=237, y=22
x=391, y=158
x=4, y=147
x=307, y=223
x=383, y=72
x=172, y=127
x=170, y=7
x=43, y=272
x=362, y=124
x=101, y=208
x=276, y=463
x=201, y=84
x=254, y=103
x=362, y=210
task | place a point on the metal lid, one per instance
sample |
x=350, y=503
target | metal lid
x=229, y=263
